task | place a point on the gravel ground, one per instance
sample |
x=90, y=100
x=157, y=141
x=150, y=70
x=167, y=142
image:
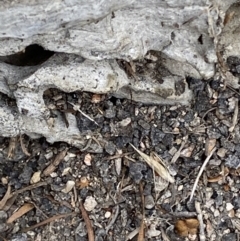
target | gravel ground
x=185, y=187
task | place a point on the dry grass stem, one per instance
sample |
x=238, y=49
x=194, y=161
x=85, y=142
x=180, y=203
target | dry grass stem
x=201, y=171
x=201, y=224
x=12, y=146
x=153, y=162
x=24, y=149
x=88, y=223
x=75, y=107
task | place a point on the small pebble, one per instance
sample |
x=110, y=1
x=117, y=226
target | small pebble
x=88, y=160
x=180, y=188
x=216, y=213
x=36, y=177
x=108, y=214
x=229, y=206
x=69, y=186
x=125, y=122
x=90, y=203
x=4, y=180
x=149, y=202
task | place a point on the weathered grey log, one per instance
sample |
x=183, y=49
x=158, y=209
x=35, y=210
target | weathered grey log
x=88, y=37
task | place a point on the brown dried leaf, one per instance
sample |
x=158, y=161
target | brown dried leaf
x=6, y=197
x=20, y=212
x=153, y=162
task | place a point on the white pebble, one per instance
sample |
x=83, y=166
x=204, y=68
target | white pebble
x=69, y=186
x=107, y=214
x=216, y=213
x=35, y=177
x=229, y=206
x=90, y=203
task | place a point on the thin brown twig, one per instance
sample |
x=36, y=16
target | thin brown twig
x=235, y=117
x=200, y=219
x=141, y=230
x=53, y=165
x=87, y=221
x=48, y=220
x=30, y=187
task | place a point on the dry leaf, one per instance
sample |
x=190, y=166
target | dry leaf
x=6, y=197
x=187, y=226
x=20, y=212
x=153, y=162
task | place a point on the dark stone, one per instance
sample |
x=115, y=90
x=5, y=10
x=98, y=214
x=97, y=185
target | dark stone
x=233, y=161
x=110, y=148
x=84, y=124
x=26, y=175
x=156, y=136
x=144, y=124
x=213, y=133
x=229, y=237
x=168, y=139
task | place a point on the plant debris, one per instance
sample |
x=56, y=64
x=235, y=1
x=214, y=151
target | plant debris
x=183, y=159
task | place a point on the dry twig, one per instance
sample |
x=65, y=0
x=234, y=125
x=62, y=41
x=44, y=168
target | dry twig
x=200, y=219
x=30, y=187
x=51, y=168
x=201, y=171
x=88, y=223
x=49, y=220
x=235, y=117
x=141, y=230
